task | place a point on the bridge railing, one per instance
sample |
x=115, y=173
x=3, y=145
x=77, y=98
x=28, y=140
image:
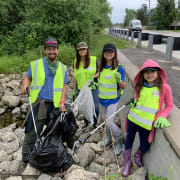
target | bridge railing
x=172, y=43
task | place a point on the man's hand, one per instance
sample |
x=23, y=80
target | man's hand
x=26, y=84
x=62, y=107
x=161, y=123
x=23, y=89
x=117, y=75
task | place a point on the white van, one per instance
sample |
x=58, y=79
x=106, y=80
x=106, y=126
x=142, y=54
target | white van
x=135, y=25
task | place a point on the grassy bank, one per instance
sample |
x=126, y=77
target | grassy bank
x=97, y=42
x=19, y=64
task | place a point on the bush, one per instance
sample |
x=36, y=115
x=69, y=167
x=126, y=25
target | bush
x=19, y=64
x=66, y=54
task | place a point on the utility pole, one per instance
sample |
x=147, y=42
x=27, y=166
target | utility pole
x=150, y=9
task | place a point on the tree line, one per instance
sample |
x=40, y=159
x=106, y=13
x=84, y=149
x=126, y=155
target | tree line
x=26, y=23
x=162, y=16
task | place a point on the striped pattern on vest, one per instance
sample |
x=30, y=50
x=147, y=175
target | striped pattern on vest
x=144, y=112
x=38, y=80
x=108, y=84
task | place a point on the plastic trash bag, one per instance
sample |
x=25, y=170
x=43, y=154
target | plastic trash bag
x=51, y=155
x=85, y=102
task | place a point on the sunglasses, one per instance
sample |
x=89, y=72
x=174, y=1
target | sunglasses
x=51, y=42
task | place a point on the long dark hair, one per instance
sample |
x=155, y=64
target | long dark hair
x=103, y=62
x=78, y=59
x=140, y=83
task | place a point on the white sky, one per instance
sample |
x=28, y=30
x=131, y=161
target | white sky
x=119, y=6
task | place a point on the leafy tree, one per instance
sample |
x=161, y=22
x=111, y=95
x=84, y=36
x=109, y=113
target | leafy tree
x=143, y=14
x=130, y=15
x=164, y=13
x=69, y=21
x=10, y=14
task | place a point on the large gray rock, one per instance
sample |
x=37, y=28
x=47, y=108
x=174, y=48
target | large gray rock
x=94, y=167
x=30, y=171
x=11, y=101
x=139, y=174
x=44, y=177
x=16, y=111
x=86, y=155
x=2, y=110
x=2, y=76
x=78, y=173
x=14, y=84
x=12, y=167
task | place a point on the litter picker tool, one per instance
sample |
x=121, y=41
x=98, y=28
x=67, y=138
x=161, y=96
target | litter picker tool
x=38, y=140
x=83, y=140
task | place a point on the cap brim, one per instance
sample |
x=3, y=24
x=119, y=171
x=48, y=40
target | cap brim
x=150, y=68
x=82, y=48
x=109, y=49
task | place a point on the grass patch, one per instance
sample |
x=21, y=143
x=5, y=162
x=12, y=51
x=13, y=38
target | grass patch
x=112, y=177
x=97, y=42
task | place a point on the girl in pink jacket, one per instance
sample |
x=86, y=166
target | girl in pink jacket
x=147, y=111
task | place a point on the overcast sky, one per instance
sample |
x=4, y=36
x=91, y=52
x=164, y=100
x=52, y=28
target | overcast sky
x=119, y=6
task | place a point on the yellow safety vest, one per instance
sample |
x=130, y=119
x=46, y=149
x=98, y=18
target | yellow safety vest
x=38, y=79
x=82, y=75
x=107, y=84
x=144, y=112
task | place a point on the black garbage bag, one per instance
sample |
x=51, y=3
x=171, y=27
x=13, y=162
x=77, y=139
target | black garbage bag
x=51, y=155
x=63, y=123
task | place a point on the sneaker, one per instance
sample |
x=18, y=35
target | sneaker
x=25, y=157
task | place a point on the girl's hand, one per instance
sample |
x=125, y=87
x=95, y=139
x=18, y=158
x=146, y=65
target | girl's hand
x=118, y=77
x=161, y=123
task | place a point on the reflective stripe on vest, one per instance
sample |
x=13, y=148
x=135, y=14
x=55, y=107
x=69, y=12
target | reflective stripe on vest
x=144, y=112
x=108, y=84
x=38, y=79
x=82, y=75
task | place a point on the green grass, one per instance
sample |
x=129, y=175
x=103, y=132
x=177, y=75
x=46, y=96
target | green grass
x=19, y=64
x=112, y=177
x=97, y=42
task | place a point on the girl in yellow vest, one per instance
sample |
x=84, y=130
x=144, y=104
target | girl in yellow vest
x=147, y=111
x=85, y=68
x=111, y=82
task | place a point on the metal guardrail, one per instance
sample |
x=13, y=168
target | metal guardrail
x=172, y=43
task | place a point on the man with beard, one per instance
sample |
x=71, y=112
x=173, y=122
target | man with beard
x=46, y=80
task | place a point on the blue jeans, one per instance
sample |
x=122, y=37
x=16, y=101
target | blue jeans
x=143, y=135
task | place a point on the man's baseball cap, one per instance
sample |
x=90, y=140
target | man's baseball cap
x=81, y=45
x=51, y=42
x=109, y=47
x=151, y=68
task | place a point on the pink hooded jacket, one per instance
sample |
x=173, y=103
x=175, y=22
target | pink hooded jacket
x=165, y=95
